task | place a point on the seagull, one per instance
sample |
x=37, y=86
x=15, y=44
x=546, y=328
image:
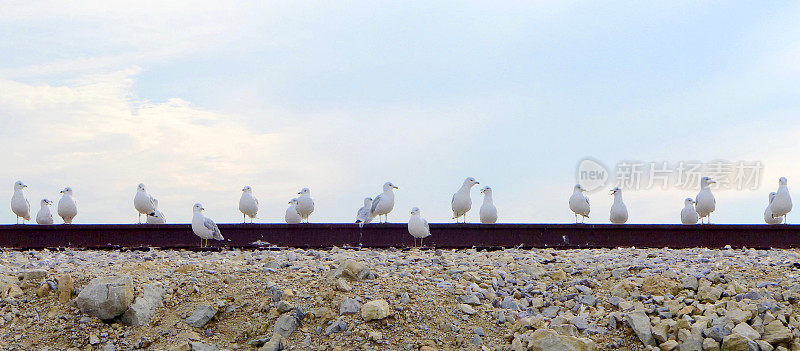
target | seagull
x=384, y=203
x=45, y=216
x=67, y=207
x=364, y=214
x=619, y=213
x=688, y=213
x=157, y=217
x=204, y=227
x=488, y=210
x=292, y=216
x=769, y=217
x=705, y=202
x=418, y=226
x=782, y=203
x=248, y=204
x=579, y=203
x=305, y=204
x=143, y=202
x=461, y=202
x=19, y=204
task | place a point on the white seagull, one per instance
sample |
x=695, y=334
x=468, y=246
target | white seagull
x=579, y=203
x=384, y=203
x=705, y=202
x=418, y=226
x=305, y=204
x=44, y=216
x=488, y=210
x=67, y=207
x=292, y=216
x=19, y=204
x=462, y=202
x=157, y=217
x=248, y=204
x=769, y=217
x=782, y=204
x=204, y=227
x=364, y=214
x=689, y=213
x=619, y=212
x=143, y=202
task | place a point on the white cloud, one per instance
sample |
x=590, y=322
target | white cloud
x=98, y=138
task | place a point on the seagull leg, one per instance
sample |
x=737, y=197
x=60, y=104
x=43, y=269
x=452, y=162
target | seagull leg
x=420, y=242
x=140, y=218
x=17, y=219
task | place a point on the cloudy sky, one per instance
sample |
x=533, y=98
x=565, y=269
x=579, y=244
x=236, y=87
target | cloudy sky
x=198, y=98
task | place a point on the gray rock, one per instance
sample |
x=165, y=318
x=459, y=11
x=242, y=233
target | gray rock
x=509, y=303
x=106, y=297
x=199, y=346
x=109, y=347
x=690, y=282
x=349, y=306
x=550, y=311
x=284, y=307
x=285, y=325
x=143, y=309
x=693, y=343
x=717, y=332
x=640, y=324
x=746, y=330
x=336, y=326
x=476, y=340
x=470, y=299
x=274, y=344
x=404, y=298
x=201, y=316
x=580, y=322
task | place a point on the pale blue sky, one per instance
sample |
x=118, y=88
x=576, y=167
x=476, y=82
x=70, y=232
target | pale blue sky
x=197, y=99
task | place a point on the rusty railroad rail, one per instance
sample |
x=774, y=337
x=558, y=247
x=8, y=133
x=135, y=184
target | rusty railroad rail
x=318, y=235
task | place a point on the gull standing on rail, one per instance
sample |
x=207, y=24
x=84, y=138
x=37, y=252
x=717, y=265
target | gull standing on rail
x=462, y=202
x=705, y=202
x=488, y=210
x=204, y=227
x=248, y=204
x=305, y=205
x=67, y=207
x=689, y=213
x=292, y=216
x=19, y=204
x=143, y=202
x=44, y=216
x=782, y=203
x=384, y=203
x=418, y=226
x=619, y=212
x=769, y=217
x=364, y=214
x=157, y=217
x=579, y=203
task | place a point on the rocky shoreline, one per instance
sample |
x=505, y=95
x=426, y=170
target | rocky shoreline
x=337, y=299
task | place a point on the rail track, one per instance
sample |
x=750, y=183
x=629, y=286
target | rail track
x=320, y=235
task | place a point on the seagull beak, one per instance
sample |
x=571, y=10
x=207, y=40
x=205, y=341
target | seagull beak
x=477, y=182
x=395, y=187
x=300, y=193
x=24, y=186
x=289, y=202
x=203, y=208
x=62, y=191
